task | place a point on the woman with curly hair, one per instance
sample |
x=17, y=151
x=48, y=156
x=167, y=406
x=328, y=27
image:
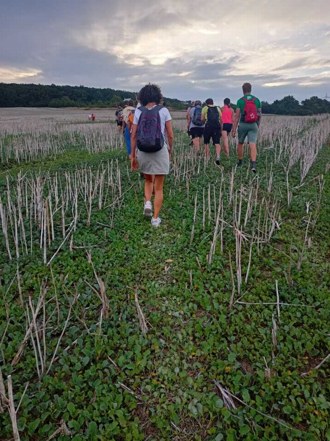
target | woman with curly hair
x=154, y=165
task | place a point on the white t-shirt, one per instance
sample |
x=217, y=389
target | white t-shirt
x=164, y=116
x=127, y=110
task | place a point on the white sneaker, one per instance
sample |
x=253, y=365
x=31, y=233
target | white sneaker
x=148, y=209
x=155, y=222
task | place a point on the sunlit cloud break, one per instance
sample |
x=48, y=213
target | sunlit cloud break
x=277, y=84
x=19, y=75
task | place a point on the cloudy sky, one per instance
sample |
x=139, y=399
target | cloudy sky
x=192, y=49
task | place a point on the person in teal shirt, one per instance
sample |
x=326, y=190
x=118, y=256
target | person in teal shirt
x=248, y=125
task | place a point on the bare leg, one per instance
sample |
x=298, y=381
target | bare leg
x=240, y=151
x=253, y=152
x=158, y=186
x=217, y=150
x=196, y=144
x=207, y=150
x=148, y=186
x=225, y=142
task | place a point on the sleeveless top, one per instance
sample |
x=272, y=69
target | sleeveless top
x=227, y=115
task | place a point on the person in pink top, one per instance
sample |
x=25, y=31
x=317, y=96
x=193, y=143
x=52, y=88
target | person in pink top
x=227, y=115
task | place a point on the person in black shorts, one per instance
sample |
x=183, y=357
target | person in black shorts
x=195, y=124
x=211, y=115
x=227, y=118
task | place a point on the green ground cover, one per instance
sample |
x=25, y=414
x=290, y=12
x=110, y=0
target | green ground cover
x=215, y=361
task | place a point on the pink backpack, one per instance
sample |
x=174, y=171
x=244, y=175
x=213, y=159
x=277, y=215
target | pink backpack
x=250, y=111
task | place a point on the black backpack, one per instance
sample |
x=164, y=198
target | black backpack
x=213, y=116
x=197, y=116
x=149, y=134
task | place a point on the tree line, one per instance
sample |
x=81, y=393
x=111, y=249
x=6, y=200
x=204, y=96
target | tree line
x=290, y=106
x=38, y=95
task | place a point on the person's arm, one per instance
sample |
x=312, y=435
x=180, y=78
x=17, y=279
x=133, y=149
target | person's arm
x=134, y=164
x=259, y=114
x=130, y=121
x=169, y=135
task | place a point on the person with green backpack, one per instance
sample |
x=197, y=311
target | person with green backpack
x=211, y=116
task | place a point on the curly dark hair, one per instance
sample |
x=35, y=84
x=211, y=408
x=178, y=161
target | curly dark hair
x=209, y=102
x=150, y=93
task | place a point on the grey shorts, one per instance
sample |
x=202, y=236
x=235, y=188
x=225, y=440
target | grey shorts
x=157, y=163
x=249, y=130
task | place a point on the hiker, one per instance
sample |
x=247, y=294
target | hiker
x=119, y=118
x=227, y=118
x=195, y=124
x=151, y=142
x=247, y=118
x=128, y=110
x=211, y=114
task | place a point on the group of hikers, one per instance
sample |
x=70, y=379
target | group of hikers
x=149, y=137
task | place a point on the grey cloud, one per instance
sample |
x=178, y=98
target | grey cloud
x=299, y=62
x=158, y=19
x=38, y=34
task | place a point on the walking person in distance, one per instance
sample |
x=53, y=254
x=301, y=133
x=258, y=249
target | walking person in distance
x=227, y=119
x=211, y=115
x=247, y=119
x=196, y=124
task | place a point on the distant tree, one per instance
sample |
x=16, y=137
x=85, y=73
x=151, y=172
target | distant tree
x=61, y=102
x=286, y=106
x=115, y=100
x=315, y=105
x=266, y=107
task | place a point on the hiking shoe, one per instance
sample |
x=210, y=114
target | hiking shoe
x=239, y=162
x=253, y=167
x=155, y=222
x=148, y=209
x=217, y=161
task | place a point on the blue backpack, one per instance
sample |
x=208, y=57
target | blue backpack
x=149, y=134
x=197, y=117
